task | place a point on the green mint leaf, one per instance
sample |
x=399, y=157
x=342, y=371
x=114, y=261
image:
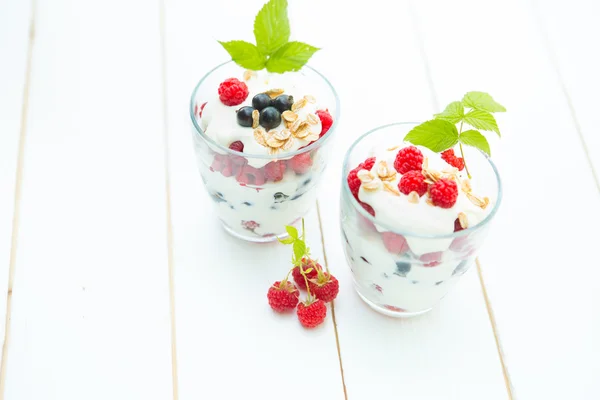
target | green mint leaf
x=288, y=240
x=482, y=120
x=272, y=27
x=437, y=135
x=290, y=57
x=292, y=231
x=453, y=113
x=299, y=250
x=475, y=139
x=245, y=54
x=482, y=101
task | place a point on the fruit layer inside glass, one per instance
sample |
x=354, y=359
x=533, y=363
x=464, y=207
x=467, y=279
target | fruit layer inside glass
x=396, y=271
x=257, y=195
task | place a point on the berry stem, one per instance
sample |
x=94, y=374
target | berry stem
x=462, y=153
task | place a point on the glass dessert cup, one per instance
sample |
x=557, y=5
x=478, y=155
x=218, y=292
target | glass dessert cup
x=251, y=204
x=408, y=276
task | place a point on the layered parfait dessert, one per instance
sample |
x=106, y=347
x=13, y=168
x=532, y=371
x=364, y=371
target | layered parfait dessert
x=261, y=124
x=270, y=124
x=412, y=220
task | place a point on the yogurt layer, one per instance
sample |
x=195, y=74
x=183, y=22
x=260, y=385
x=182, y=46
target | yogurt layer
x=219, y=121
x=421, y=218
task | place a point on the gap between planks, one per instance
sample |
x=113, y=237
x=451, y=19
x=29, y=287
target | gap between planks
x=435, y=104
x=169, y=223
x=490, y=311
x=563, y=87
x=337, y=339
x=17, y=199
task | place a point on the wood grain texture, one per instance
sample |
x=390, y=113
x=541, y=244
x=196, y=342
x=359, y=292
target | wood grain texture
x=14, y=46
x=90, y=315
x=540, y=262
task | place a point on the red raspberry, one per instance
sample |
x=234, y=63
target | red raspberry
x=237, y=146
x=300, y=163
x=368, y=208
x=457, y=226
x=353, y=181
x=201, y=109
x=326, y=121
x=325, y=287
x=451, y=159
x=218, y=162
x=431, y=259
x=297, y=275
x=311, y=314
x=394, y=243
x=232, y=92
x=250, y=176
x=413, y=181
x=274, y=171
x=444, y=193
x=408, y=159
x=369, y=162
x=283, y=296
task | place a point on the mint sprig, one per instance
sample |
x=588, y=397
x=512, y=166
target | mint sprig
x=441, y=133
x=273, y=50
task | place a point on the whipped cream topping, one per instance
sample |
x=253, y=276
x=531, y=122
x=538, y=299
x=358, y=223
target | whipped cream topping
x=422, y=218
x=219, y=121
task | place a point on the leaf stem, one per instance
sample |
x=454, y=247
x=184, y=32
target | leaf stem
x=462, y=153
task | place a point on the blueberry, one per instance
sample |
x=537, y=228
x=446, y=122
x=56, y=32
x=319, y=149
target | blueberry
x=280, y=197
x=402, y=268
x=261, y=101
x=365, y=260
x=283, y=102
x=244, y=116
x=460, y=268
x=270, y=118
x=218, y=197
x=345, y=236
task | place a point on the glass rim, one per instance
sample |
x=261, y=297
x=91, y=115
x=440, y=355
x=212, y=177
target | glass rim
x=316, y=144
x=374, y=220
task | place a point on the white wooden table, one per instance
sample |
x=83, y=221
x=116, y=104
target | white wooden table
x=120, y=284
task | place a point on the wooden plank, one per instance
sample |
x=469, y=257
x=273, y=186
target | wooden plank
x=540, y=257
x=14, y=43
x=570, y=33
x=90, y=315
x=449, y=353
x=229, y=340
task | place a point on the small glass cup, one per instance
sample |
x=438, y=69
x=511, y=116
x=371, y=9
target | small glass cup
x=400, y=273
x=251, y=205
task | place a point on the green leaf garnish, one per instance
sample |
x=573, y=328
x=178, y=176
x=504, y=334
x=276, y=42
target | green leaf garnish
x=272, y=27
x=482, y=120
x=299, y=250
x=245, y=54
x=475, y=139
x=288, y=240
x=437, y=135
x=273, y=49
x=290, y=57
x=482, y=101
x=292, y=231
x=441, y=133
x=453, y=113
